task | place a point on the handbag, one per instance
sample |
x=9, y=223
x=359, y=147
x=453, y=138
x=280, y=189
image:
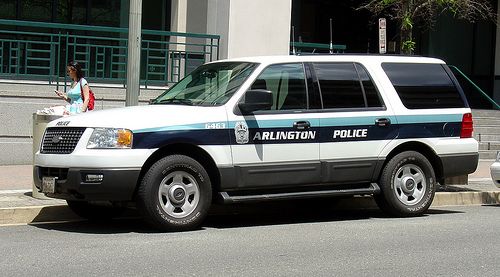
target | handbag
x=90, y=106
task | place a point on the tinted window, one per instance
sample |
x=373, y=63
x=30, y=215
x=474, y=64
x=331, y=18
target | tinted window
x=339, y=85
x=287, y=83
x=423, y=86
x=372, y=96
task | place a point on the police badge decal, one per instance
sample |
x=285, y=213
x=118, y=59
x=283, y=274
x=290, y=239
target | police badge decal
x=241, y=132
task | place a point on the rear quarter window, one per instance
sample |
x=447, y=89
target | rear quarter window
x=423, y=86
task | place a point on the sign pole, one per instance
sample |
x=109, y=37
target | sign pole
x=134, y=53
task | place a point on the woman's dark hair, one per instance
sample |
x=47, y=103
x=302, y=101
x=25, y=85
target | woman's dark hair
x=75, y=65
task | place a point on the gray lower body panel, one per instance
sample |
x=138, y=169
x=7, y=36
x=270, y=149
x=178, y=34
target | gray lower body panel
x=295, y=174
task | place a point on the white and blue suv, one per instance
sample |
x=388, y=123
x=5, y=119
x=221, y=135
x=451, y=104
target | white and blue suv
x=264, y=128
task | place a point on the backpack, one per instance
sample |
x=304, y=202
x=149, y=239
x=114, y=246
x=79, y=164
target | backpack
x=90, y=106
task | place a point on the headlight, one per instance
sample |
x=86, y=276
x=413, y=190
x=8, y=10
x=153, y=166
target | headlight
x=110, y=138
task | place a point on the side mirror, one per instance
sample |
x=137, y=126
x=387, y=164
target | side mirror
x=256, y=99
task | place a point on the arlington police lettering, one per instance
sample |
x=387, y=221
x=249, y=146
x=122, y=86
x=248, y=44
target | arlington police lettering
x=285, y=135
x=356, y=133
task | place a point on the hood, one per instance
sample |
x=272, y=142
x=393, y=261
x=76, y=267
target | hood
x=144, y=117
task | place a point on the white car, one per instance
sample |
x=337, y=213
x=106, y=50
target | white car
x=268, y=128
x=495, y=171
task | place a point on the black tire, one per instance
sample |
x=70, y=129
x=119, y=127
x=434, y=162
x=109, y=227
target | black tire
x=95, y=212
x=407, y=184
x=167, y=198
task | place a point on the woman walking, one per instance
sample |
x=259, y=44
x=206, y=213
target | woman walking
x=79, y=93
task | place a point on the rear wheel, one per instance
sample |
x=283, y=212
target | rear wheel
x=408, y=185
x=175, y=193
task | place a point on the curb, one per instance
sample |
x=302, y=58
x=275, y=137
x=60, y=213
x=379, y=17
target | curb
x=36, y=214
x=466, y=198
x=441, y=199
x=61, y=213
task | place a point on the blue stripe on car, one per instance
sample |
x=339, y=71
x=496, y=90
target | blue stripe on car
x=156, y=139
x=338, y=121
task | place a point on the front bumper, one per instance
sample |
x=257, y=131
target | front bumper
x=116, y=185
x=495, y=173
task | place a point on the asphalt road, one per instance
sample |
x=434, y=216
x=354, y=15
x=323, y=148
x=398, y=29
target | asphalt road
x=296, y=241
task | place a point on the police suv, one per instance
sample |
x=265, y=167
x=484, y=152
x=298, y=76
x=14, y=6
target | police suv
x=267, y=128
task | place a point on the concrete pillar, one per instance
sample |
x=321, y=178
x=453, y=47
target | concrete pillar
x=178, y=24
x=250, y=28
x=496, y=88
x=218, y=23
x=134, y=53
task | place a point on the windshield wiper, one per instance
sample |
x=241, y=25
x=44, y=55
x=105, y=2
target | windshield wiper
x=175, y=101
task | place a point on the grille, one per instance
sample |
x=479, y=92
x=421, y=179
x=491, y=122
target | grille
x=61, y=140
x=60, y=173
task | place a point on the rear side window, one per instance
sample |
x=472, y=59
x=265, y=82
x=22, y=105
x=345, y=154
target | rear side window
x=423, y=86
x=345, y=85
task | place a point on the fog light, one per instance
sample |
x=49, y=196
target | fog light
x=94, y=178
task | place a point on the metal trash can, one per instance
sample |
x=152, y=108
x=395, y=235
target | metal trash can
x=40, y=122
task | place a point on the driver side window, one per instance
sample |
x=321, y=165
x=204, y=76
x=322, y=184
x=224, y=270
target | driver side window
x=287, y=84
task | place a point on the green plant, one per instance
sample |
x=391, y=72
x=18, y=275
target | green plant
x=408, y=12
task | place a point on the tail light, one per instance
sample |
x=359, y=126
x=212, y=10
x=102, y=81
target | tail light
x=467, y=126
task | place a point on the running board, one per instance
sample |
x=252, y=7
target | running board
x=228, y=199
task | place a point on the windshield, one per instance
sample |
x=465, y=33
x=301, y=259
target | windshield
x=208, y=85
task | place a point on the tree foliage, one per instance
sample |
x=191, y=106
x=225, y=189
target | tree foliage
x=410, y=12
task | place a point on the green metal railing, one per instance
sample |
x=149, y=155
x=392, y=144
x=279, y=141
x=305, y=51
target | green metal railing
x=484, y=94
x=39, y=50
x=306, y=47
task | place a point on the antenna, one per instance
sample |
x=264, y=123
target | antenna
x=293, y=41
x=331, y=37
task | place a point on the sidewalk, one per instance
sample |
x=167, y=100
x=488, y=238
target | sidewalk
x=17, y=206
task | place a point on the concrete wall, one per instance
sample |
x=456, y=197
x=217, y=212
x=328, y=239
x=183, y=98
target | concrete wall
x=19, y=101
x=259, y=27
x=247, y=28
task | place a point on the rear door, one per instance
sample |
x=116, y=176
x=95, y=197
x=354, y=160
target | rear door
x=355, y=123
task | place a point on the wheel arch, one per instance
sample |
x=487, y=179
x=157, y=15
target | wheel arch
x=186, y=149
x=421, y=148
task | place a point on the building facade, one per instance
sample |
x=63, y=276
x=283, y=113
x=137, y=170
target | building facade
x=38, y=37
x=261, y=27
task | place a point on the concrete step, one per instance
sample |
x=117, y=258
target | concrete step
x=489, y=146
x=486, y=138
x=486, y=121
x=487, y=130
x=487, y=154
x=485, y=113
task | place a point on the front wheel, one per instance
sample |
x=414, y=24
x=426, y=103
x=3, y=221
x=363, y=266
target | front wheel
x=408, y=185
x=175, y=193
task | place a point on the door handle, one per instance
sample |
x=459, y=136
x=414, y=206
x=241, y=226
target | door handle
x=301, y=125
x=382, y=122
